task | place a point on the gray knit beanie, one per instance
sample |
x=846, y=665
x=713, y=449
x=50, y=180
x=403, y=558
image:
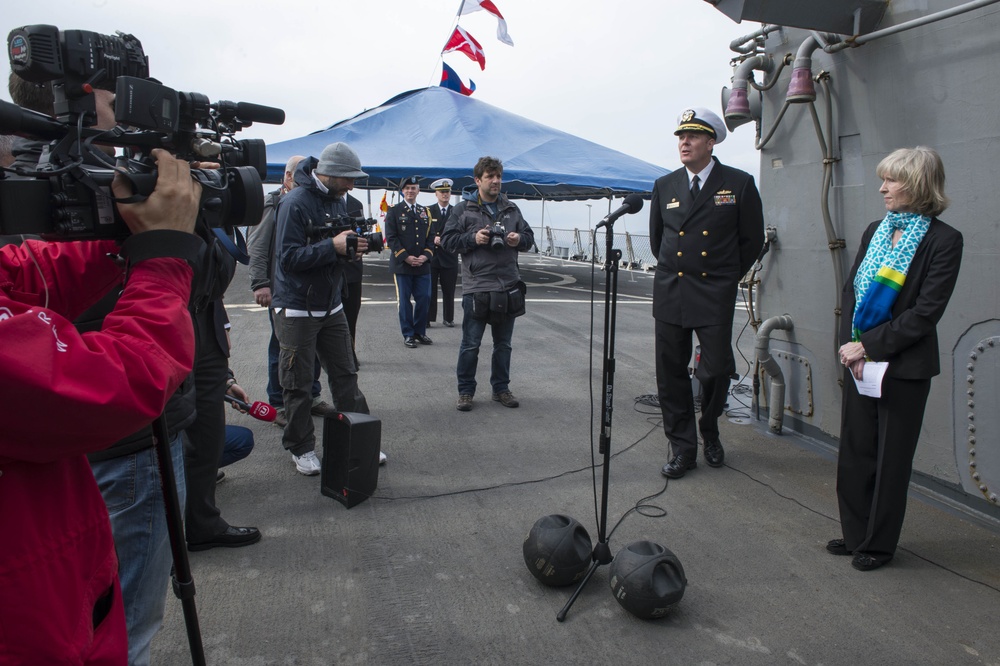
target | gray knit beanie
x=338, y=159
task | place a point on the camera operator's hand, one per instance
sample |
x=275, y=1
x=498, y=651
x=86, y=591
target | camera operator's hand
x=173, y=203
x=262, y=296
x=483, y=236
x=340, y=242
x=513, y=238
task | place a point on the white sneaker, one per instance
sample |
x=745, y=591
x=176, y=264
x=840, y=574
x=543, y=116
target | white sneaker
x=382, y=458
x=307, y=463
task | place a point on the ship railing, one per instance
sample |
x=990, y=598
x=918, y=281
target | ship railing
x=581, y=245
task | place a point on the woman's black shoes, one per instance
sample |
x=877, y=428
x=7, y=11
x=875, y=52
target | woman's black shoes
x=860, y=561
x=837, y=547
x=866, y=562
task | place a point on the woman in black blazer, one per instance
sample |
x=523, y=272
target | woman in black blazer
x=898, y=289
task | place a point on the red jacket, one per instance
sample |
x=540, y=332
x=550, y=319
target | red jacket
x=63, y=394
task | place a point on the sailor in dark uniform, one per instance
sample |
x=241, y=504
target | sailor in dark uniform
x=444, y=265
x=407, y=233
x=706, y=228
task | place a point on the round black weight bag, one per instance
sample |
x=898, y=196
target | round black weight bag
x=557, y=550
x=647, y=579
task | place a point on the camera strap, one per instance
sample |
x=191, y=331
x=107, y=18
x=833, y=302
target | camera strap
x=493, y=217
x=238, y=249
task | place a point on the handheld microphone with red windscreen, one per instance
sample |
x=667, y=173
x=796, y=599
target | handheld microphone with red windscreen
x=259, y=410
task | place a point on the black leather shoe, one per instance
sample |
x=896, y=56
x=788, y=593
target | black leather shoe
x=410, y=342
x=424, y=340
x=233, y=537
x=867, y=562
x=676, y=468
x=714, y=455
x=837, y=547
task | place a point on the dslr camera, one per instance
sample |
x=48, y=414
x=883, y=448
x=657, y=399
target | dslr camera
x=364, y=228
x=498, y=236
x=67, y=195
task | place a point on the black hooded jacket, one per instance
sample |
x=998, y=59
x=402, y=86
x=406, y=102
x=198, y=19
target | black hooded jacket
x=308, y=271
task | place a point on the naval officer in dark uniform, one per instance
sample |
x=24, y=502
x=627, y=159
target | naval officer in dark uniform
x=444, y=265
x=407, y=233
x=706, y=227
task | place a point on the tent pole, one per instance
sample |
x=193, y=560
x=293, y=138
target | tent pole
x=543, y=223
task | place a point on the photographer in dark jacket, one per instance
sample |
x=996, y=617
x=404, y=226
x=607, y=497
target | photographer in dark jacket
x=261, y=248
x=309, y=314
x=488, y=231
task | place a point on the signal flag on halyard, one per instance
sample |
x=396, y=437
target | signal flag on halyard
x=384, y=206
x=451, y=81
x=469, y=6
x=462, y=41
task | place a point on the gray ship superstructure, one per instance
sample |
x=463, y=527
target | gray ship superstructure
x=832, y=87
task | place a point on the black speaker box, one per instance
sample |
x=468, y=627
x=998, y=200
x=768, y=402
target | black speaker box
x=351, y=444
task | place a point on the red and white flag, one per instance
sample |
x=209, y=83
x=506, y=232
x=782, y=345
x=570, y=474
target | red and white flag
x=462, y=41
x=469, y=6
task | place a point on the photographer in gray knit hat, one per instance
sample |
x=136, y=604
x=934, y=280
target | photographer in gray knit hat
x=340, y=160
x=309, y=316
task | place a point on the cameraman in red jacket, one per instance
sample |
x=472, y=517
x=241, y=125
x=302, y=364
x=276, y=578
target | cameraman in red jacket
x=64, y=394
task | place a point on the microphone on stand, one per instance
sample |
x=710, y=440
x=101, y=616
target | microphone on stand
x=259, y=410
x=631, y=204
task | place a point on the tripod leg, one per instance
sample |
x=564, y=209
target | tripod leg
x=602, y=555
x=561, y=615
x=183, y=583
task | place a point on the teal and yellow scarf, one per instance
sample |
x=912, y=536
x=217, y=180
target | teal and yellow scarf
x=883, y=270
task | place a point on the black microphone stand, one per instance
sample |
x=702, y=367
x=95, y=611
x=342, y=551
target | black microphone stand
x=602, y=551
x=183, y=583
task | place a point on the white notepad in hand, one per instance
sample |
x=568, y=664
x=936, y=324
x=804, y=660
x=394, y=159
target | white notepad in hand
x=870, y=383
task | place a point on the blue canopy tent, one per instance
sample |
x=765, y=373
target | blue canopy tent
x=438, y=133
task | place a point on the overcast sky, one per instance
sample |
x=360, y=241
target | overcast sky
x=616, y=73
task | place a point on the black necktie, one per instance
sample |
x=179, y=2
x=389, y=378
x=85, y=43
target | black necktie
x=695, y=188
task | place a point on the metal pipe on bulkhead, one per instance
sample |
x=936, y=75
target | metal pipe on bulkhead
x=858, y=40
x=762, y=346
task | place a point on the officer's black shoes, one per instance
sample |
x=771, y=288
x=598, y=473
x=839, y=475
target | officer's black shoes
x=714, y=455
x=677, y=467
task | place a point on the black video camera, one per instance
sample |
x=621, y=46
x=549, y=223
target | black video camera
x=67, y=195
x=498, y=236
x=364, y=228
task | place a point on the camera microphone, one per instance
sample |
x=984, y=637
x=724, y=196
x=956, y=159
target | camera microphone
x=259, y=113
x=249, y=113
x=631, y=204
x=259, y=410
